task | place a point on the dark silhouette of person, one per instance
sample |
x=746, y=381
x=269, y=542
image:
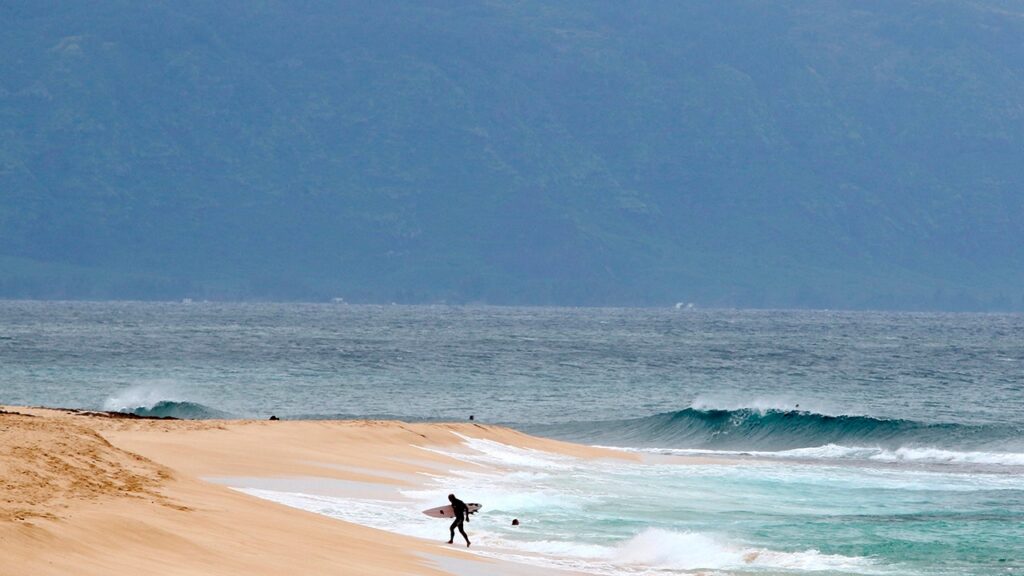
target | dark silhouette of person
x=461, y=513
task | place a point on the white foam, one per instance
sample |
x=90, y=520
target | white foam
x=811, y=561
x=400, y=517
x=923, y=455
x=144, y=395
x=937, y=455
x=906, y=454
x=668, y=550
x=763, y=405
x=491, y=453
x=676, y=551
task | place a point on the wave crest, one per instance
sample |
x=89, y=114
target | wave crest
x=182, y=410
x=774, y=430
x=158, y=400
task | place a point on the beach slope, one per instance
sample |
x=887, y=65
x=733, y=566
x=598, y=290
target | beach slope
x=90, y=493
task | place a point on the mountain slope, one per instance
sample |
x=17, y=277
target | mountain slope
x=827, y=154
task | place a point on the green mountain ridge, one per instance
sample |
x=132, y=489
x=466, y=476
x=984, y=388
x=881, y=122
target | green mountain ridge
x=831, y=154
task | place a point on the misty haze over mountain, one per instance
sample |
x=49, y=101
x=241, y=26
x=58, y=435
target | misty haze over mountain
x=777, y=153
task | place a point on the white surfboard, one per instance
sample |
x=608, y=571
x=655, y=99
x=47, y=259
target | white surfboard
x=449, y=512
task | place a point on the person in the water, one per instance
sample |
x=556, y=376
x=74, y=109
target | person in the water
x=461, y=513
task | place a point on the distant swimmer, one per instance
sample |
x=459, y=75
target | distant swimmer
x=461, y=514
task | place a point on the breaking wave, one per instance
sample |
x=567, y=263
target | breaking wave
x=157, y=401
x=182, y=410
x=775, y=430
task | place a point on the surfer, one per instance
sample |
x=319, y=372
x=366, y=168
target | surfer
x=461, y=514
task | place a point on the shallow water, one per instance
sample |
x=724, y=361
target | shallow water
x=867, y=442
x=610, y=517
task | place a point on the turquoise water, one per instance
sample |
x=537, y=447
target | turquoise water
x=841, y=443
x=757, y=517
x=794, y=517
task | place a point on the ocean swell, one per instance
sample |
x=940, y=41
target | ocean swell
x=173, y=409
x=775, y=430
x=160, y=400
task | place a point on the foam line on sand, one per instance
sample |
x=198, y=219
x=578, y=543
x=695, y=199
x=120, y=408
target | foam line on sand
x=83, y=493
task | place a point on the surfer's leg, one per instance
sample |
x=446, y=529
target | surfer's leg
x=463, y=532
x=452, y=530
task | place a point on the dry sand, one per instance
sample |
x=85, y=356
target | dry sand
x=85, y=493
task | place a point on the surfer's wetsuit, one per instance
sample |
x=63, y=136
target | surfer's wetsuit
x=461, y=514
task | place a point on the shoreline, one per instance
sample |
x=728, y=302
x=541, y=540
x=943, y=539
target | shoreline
x=91, y=493
x=97, y=493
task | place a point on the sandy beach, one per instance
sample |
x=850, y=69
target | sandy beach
x=88, y=493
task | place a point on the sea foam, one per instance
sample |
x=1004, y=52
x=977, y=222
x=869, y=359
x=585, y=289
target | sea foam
x=669, y=550
x=907, y=454
x=159, y=400
x=142, y=396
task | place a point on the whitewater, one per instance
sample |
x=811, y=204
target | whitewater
x=828, y=443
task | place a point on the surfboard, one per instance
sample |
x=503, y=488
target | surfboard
x=449, y=512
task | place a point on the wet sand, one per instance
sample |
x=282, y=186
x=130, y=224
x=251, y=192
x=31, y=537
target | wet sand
x=86, y=493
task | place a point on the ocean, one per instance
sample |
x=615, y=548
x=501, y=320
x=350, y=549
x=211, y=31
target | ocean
x=832, y=442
